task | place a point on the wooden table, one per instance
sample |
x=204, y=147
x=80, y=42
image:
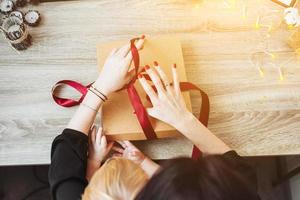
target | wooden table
x=254, y=115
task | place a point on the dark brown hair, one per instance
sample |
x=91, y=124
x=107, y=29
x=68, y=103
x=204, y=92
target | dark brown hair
x=211, y=178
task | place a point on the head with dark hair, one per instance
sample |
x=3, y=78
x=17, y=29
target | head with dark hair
x=211, y=178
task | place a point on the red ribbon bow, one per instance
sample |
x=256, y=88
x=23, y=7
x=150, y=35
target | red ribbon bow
x=135, y=100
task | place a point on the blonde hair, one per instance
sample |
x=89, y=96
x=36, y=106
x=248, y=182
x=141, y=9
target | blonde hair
x=117, y=179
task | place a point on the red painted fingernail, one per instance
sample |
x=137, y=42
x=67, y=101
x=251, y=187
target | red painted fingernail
x=147, y=67
x=143, y=37
x=140, y=76
x=155, y=63
x=174, y=65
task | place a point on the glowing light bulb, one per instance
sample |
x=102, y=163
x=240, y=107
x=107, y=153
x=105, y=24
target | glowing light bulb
x=280, y=74
x=261, y=72
x=257, y=25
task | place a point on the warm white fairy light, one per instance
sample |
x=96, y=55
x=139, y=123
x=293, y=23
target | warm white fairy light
x=229, y=3
x=280, y=74
x=267, y=21
x=292, y=17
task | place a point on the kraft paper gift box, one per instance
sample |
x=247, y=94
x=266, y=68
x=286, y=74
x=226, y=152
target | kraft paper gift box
x=119, y=119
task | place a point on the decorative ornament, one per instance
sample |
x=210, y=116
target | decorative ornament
x=292, y=17
x=6, y=6
x=32, y=18
x=13, y=22
x=16, y=32
x=17, y=13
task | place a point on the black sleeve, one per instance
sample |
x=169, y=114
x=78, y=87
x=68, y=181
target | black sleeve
x=68, y=165
x=243, y=168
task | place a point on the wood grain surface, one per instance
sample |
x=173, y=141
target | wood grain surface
x=254, y=115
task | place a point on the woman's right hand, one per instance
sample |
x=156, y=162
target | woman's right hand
x=168, y=103
x=114, y=74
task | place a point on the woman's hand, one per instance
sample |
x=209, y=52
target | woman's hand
x=168, y=103
x=129, y=151
x=169, y=106
x=114, y=74
x=98, y=147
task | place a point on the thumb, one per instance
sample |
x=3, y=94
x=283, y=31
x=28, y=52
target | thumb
x=152, y=112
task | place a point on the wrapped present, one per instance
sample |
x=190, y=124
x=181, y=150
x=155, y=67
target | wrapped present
x=119, y=117
x=124, y=115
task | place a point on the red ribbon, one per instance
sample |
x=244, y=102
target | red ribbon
x=69, y=102
x=135, y=100
x=134, y=97
x=204, y=111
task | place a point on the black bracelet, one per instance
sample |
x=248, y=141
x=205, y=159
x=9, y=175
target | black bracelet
x=105, y=97
x=97, y=95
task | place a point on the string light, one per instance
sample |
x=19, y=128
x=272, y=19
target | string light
x=267, y=21
x=261, y=72
x=230, y=3
x=292, y=17
x=280, y=74
x=244, y=11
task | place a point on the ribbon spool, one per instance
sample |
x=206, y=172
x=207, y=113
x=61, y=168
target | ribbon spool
x=16, y=32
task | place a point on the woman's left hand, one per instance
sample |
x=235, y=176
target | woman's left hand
x=98, y=147
x=114, y=74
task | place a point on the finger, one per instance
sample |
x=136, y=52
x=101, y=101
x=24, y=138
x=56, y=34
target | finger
x=148, y=89
x=124, y=50
x=117, y=155
x=152, y=112
x=131, y=74
x=118, y=149
x=139, y=45
x=133, y=153
x=103, y=141
x=175, y=80
x=99, y=135
x=163, y=77
x=122, y=144
x=129, y=144
x=93, y=134
x=155, y=79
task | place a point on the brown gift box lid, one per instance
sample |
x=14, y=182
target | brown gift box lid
x=119, y=119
